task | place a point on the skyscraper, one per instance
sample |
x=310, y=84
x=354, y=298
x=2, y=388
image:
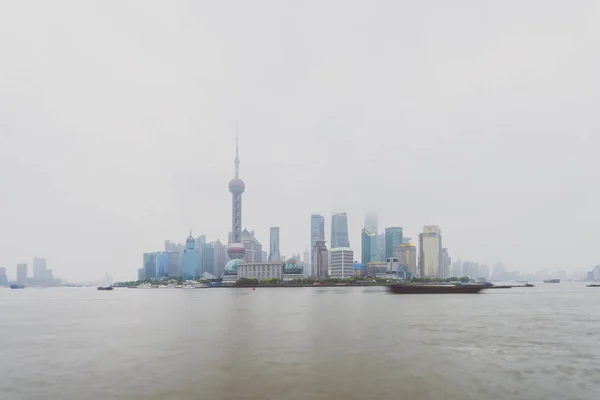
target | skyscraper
x=207, y=259
x=22, y=274
x=372, y=223
x=39, y=268
x=430, y=250
x=342, y=262
x=393, y=239
x=3, y=277
x=235, y=249
x=220, y=257
x=274, y=245
x=407, y=255
x=369, y=251
x=252, y=247
x=317, y=232
x=445, y=264
x=149, y=266
x=339, y=230
x=320, y=257
x=189, y=268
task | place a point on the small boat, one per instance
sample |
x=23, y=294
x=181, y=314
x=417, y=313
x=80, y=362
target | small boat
x=434, y=289
x=529, y=285
x=554, y=280
x=17, y=286
x=594, y=285
x=105, y=288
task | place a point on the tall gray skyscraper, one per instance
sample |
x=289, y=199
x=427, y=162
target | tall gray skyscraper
x=22, y=274
x=317, y=232
x=39, y=268
x=393, y=239
x=252, y=247
x=339, y=230
x=320, y=257
x=430, y=250
x=236, y=249
x=274, y=254
x=220, y=257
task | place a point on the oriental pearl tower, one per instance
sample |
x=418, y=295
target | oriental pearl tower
x=236, y=249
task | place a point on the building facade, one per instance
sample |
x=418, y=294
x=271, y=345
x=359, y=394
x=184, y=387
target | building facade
x=317, y=231
x=22, y=274
x=320, y=257
x=274, y=254
x=393, y=239
x=445, y=264
x=260, y=270
x=191, y=259
x=252, y=247
x=430, y=251
x=372, y=223
x=162, y=264
x=342, y=262
x=149, y=265
x=376, y=269
x=207, y=259
x=369, y=250
x=220, y=257
x=407, y=256
x=339, y=230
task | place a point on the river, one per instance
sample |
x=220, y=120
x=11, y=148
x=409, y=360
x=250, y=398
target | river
x=299, y=343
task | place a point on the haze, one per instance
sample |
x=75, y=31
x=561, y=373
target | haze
x=117, y=124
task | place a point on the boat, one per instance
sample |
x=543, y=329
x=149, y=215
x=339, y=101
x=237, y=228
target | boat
x=434, y=289
x=553, y=280
x=105, y=288
x=529, y=285
x=593, y=285
x=17, y=286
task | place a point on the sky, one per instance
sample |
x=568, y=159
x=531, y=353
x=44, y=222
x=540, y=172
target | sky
x=118, y=124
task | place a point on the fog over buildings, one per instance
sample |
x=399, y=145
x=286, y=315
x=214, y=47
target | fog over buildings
x=118, y=126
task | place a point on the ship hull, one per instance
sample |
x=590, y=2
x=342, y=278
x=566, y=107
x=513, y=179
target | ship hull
x=434, y=289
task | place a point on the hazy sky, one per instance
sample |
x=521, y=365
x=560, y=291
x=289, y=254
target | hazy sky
x=117, y=126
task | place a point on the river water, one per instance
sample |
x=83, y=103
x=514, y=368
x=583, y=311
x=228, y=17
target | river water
x=299, y=343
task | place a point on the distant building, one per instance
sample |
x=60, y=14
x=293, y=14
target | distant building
x=162, y=264
x=141, y=275
x=470, y=269
x=359, y=269
x=317, y=231
x=445, y=264
x=369, y=251
x=293, y=269
x=39, y=268
x=381, y=247
x=220, y=257
x=191, y=258
x=430, y=251
x=174, y=269
x=596, y=273
x=274, y=254
x=235, y=248
x=406, y=240
x=339, y=230
x=3, y=277
x=253, y=248
x=372, y=223
x=456, y=269
x=393, y=239
x=320, y=257
x=499, y=272
x=484, y=272
x=260, y=270
x=22, y=274
x=376, y=269
x=342, y=262
x=407, y=256
x=149, y=260
x=207, y=259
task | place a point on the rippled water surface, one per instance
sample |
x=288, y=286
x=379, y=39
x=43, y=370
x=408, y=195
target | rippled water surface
x=301, y=343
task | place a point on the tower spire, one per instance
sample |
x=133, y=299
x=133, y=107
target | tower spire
x=237, y=154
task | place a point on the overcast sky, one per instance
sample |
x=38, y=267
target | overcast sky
x=117, y=126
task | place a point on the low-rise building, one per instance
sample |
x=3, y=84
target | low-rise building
x=260, y=270
x=376, y=269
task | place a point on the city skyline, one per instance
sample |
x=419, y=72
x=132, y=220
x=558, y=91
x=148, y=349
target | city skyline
x=113, y=148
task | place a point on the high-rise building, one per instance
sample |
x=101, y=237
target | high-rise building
x=407, y=256
x=39, y=268
x=372, y=223
x=235, y=249
x=162, y=264
x=484, y=272
x=320, y=257
x=499, y=272
x=369, y=251
x=220, y=257
x=445, y=264
x=342, y=262
x=252, y=247
x=393, y=239
x=317, y=231
x=406, y=240
x=22, y=274
x=339, y=230
x=149, y=265
x=174, y=269
x=189, y=268
x=274, y=254
x=207, y=259
x=470, y=269
x=456, y=269
x=307, y=271
x=381, y=247
x=430, y=250
x=3, y=277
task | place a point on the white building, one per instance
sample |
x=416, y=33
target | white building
x=260, y=270
x=342, y=262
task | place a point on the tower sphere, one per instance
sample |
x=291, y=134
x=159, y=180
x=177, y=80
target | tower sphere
x=236, y=250
x=237, y=185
